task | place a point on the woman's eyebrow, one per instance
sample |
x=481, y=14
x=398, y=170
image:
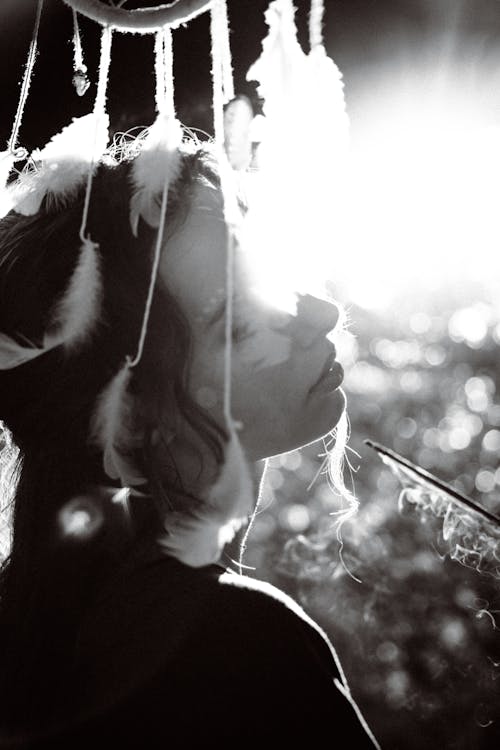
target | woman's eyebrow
x=217, y=313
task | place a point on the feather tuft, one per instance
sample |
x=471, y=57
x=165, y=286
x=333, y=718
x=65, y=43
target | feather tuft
x=111, y=428
x=77, y=312
x=159, y=158
x=65, y=162
x=199, y=538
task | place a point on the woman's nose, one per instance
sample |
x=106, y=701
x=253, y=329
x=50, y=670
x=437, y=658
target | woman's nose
x=315, y=317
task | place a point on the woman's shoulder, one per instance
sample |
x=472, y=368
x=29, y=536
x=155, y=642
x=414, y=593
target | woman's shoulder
x=261, y=605
x=167, y=596
x=213, y=641
x=201, y=623
x=163, y=611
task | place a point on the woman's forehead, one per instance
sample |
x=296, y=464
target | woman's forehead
x=193, y=263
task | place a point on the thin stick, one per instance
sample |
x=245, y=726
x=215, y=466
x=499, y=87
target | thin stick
x=426, y=476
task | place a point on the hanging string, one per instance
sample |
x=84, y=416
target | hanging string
x=104, y=62
x=220, y=66
x=316, y=23
x=99, y=112
x=80, y=79
x=154, y=273
x=25, y=85
x=217, y=93
x=228, y=327
x=220, y=9
x=159, y=72
x=168, y=57
x=164, y=104
x=222, y=76
x=164, y=70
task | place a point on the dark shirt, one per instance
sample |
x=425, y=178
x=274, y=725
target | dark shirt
x=171, y=656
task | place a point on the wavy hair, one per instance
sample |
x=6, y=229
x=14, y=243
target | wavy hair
x=47, y=405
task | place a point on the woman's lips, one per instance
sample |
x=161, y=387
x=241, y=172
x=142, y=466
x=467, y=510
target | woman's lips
x=330, y=379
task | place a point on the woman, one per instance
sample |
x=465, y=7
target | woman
x=114, y=630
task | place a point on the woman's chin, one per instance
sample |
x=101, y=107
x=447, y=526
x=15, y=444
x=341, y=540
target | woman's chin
x=317, y=425
x=329, y=412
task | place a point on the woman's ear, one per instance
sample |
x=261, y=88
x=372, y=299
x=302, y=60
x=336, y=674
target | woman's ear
x=164, y=436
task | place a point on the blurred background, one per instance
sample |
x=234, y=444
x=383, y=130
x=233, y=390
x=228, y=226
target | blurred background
x=417, y=265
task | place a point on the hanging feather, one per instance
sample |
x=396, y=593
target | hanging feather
x=471, y=531
x=279, y=69
x=199, y=538
x=233, y=490
x=74, y=317
x=159, y=157
x=326, y=106
x=13, y=354
x=77, y=312
x=238, y=119
x=112, y=429
x=64, y=164
x=297, y=193
x=7, y=161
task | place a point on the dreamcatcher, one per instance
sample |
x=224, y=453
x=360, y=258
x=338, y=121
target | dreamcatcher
x=292, y=83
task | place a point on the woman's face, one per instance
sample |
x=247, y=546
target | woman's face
x=280, y=392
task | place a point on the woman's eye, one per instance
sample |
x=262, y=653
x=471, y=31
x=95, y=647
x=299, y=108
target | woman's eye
x=241, y=331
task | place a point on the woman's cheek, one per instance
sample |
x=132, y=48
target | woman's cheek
x=264, y=348
x=206, y=397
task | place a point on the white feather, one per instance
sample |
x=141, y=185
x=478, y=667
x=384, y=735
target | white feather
x=199, y=539
x=159, y=157
x=13, y=354
x=7, y=160
x=111, y=429
x=65, y=162
x=238, y=118
x=233, y=492
x=74, y=317
x=78, y=310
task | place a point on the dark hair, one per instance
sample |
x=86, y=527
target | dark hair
x=47, y=405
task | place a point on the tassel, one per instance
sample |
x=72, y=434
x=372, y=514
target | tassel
x=74, y=317
x=159, y=157
x=199, y=539
x=111, y=428
x=66, y=160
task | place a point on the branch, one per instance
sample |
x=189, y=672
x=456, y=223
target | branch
x=427, y=478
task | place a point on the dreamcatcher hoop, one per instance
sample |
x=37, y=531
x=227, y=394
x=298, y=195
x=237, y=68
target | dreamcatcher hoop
x=140, y=20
